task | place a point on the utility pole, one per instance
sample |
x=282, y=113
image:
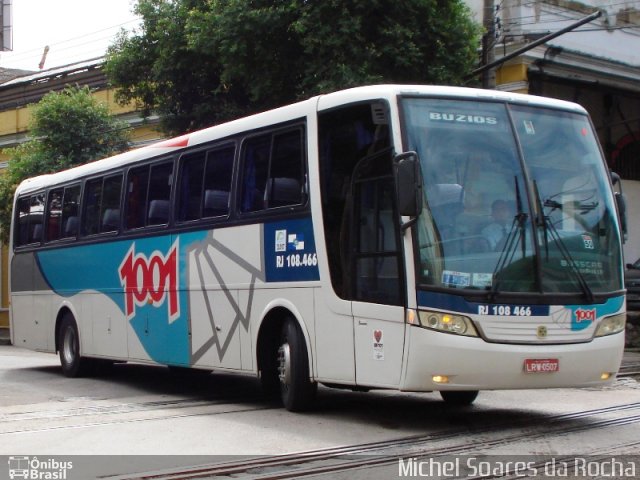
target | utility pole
x=488, y=40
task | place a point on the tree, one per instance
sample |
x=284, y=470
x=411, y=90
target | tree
x=201, y=62
x=158, y=69
x=67, y=128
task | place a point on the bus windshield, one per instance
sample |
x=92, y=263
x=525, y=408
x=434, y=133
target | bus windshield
x=517, y=199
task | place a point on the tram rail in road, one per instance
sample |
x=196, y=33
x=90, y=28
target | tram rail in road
x=459, y=441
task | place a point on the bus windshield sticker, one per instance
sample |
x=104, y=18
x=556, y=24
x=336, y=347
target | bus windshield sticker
x=528, y=127
x=482, y=280
x=456, y=279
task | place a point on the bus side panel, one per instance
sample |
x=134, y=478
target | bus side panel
x=219, y=269
x=30, y=327
x=334, y=343
x=106, y=327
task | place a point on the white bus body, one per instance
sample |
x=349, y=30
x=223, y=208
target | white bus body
x=274, y=245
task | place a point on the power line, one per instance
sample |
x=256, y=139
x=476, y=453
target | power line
x=75, y=46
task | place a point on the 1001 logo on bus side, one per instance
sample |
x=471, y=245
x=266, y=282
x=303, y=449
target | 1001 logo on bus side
x=150, y=280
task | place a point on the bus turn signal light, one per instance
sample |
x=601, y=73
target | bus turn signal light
x=440, y=379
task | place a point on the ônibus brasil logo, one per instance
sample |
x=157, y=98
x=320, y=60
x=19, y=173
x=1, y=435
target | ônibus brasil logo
x=150, y=280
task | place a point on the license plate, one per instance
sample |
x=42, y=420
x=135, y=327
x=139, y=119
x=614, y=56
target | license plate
x=541, y=365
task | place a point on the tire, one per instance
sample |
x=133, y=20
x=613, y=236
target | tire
x=73, y=365
x=459, y=398
x=297, y=391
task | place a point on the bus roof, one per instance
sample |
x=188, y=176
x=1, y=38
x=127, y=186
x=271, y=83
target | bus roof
x=283, y=114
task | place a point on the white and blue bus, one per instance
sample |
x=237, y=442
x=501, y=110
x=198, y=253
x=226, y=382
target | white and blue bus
x=396, y=237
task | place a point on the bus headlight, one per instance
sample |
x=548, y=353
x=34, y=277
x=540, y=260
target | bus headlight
x=611, y=325
x=447, y=322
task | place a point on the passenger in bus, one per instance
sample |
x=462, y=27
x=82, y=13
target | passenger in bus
x=497, y=231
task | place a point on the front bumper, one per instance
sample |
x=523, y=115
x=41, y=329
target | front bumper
x=470, y=363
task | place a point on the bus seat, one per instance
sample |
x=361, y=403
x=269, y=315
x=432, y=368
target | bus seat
x=110, y=219
x=216, y=202
x=283, y=191
x=158, y=212
x=71, y=227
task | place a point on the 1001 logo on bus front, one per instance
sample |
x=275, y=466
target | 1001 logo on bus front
x=149, y=281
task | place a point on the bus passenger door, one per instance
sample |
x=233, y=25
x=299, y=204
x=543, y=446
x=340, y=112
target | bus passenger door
x=360, y=331
x=376, y=275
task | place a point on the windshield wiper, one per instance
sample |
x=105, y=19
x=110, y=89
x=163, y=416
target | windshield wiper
x=547, y=226
x=516, y=232
x=582, y=207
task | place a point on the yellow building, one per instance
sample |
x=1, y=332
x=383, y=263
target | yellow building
x=20, y=90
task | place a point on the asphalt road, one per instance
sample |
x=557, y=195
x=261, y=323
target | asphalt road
x=186, y=420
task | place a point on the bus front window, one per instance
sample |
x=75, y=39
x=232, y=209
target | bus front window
x=579, y=222
x=481, y=228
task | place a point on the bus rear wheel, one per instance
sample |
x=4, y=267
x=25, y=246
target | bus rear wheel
x=459, y=398
x=297, y=391
x=73, y=365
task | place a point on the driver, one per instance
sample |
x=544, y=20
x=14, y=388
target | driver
x=496, y=232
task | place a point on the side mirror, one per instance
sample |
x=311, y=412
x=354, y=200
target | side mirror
x=615, y=178
x=621, y=204
x=408, y=184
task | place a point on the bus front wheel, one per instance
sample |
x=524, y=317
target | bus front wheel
x=73, y=365
x=464, y=397
x=296, y=389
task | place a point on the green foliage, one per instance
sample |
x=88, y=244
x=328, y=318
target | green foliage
x=201, y=62
x=67, y=128
x=160, y=71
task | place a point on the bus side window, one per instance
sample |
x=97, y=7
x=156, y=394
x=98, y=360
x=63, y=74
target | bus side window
x=217, y=182
x=54, y=214
x=22, y=222
x=137, y=183
x=70, y=212
x=159, y=194
x=101, y=211
x=286, y=175
x=256, y=165
x=273, y=171
x=91, y=213
x=29, y=222
x=190, y=191
x=110, y=206
x=346, y=136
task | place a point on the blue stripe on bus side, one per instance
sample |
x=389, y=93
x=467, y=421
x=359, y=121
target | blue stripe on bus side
x=96, y=267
